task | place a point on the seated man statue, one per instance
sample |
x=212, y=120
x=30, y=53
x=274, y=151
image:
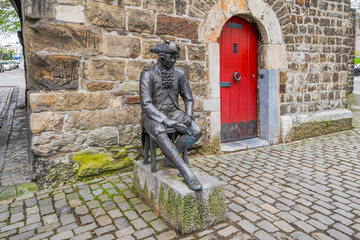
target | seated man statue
x=160, y=87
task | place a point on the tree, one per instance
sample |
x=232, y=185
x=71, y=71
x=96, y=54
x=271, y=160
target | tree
x=9, y=20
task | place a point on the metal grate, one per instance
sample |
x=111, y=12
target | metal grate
x=235, y=48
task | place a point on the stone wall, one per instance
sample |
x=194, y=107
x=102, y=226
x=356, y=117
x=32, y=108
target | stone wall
x=84, y=58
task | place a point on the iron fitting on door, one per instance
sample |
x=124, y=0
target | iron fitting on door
x=237, y=76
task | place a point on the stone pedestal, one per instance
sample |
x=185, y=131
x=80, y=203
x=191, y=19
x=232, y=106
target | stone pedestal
x=184, y=209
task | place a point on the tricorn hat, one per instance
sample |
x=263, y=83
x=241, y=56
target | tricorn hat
x=166, y=47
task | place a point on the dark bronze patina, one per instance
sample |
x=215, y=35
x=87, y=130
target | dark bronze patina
x=160, y=88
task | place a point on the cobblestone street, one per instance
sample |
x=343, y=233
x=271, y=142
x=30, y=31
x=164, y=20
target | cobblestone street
x=308, y=189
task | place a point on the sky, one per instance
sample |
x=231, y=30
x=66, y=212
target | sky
x=6, y=39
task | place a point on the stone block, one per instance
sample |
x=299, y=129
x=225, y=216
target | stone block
x=40, y=122
x=180, y=7
x=39, y=9
x=184, y=209
x=103, y=137
x=196, y=53
x=164, y=6
x=177, y=26
x=269, y=105
x=212, y=105
x=272, y=50
x=134, y=69
x=197, y=72
x=130, y=2
x=121, y=46
x=130, y=87
x=52, y=72
x=68, y=101
x=49, y=143
x=49, y=36
x=107, y=69
x=88, y=120
x=69, y=13
x=130, y=135
x=99, y=86
x=106, y=15
x=257, y=8
x=214, y=69
x=141, y=21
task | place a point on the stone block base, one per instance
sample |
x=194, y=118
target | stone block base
x=297, y=127
x=184, y=209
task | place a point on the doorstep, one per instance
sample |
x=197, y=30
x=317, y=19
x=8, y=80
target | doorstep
x=244, y=144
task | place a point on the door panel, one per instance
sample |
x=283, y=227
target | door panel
x=238, y=53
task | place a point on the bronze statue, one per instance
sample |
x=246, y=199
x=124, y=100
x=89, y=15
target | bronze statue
x=160, y=87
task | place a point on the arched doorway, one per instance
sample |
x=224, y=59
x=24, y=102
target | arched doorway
x=238, y=44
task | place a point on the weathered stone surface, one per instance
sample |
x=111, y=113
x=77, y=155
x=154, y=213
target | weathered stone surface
x=68, y=101
x=70, y=1
x=116, y=101
x=165, y=6
x=197, y=72
x=103, y=137
x=147, y=46
x=130, y=2
x=38, y=9
x=180, y=7
x=70, y=13
x=130, y=86
x=93, y=161
x=48, y=143
x=52, y=72
x=99, y=86
x=177, y=26
x=106, y=15
x=49, y=36
x=120, y=46
x=106, y=69
x=141, y=21
x=132, y=100
x=130, y=135
x=134, y=69
x=196, y=53
x=88, y=120
x=186, y=210
x=40, y=122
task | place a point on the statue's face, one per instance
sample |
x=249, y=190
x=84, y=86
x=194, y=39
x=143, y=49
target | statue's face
x=168, y=59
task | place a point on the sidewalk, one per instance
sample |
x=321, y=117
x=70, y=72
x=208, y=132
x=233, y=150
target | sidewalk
x=308, y=189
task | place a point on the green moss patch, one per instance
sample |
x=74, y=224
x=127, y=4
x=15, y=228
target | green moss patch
x=97, y=160
x=315, y=129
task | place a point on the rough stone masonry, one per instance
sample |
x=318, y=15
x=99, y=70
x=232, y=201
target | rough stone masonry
x=84, y=58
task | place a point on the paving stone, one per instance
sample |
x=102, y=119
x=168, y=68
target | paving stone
x=30, y=227
x=167, y=235
x=68, y=227
x=125, y=231
x=321, y=236
x=16, y=217
x=124, y=206
x=62, y=235
x=97, y=192
x=304, y=226
x=118, y=199
x=142, y=208
x=85, y=228
x=50, y=219
x=338, y=235
x=104, y=220
x=42, y=235
x=83, y=236
x=131, y=215
x=248, y=226
x=104, y=197
x=109, y=205
x=12, y=226
x=135, y=201
x=22, y=236
x=93, y=204
x=17, y=209
x=81, y=210
x=284, y=226
x=105, y=229
x=63, y=210
x=121, y=222
x=86, y=219
x=267, y=226
x=250, y=215
x=105, y=237
x=67, y=219
x=107, y=186
x=139, y=224
x=143, y=233
x=88, y=197
x=48, y=227
x=149, y=216
x=98, y=212
x=263, y=236
x=301, y=235
x=30, y=202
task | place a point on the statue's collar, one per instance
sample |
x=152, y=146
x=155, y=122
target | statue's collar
x=164, y=69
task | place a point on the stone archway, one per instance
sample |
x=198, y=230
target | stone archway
x=272, y=47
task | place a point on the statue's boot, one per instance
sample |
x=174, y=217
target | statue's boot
x=171, y=152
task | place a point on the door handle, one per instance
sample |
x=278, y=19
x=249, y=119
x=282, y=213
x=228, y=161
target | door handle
x=225, y=84
x=237, y=76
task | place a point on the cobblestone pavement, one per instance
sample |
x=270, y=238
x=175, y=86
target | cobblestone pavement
x=5, y=98
x=308, y=189
x=15, y=160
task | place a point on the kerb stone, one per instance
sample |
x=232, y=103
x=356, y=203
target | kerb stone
x=184, y=209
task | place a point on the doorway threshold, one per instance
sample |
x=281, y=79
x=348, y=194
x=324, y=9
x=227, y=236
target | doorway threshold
x=244, y=144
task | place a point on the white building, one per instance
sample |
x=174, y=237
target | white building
x=16, y=47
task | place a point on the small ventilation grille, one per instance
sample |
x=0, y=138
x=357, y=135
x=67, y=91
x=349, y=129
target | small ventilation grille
x=235, y=48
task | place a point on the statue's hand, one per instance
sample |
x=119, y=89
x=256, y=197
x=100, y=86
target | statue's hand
x=169, y=123
x=181, y=128
x=187, y=120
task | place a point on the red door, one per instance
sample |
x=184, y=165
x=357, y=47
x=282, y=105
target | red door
x=238, y=79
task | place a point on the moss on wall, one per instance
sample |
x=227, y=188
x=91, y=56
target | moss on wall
x=315, y=129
